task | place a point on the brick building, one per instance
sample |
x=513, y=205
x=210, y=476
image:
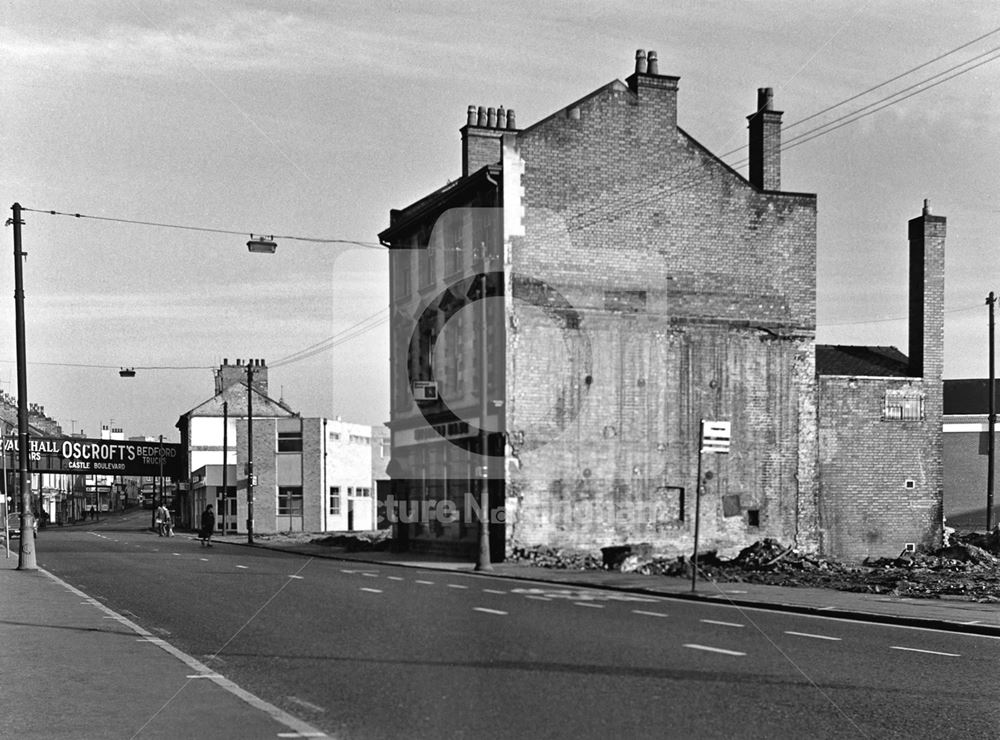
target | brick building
x=880, y=415
x=635, y=285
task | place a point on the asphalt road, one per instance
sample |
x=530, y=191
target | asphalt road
x=388, y=652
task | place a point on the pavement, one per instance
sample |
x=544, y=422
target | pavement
x=56, y=642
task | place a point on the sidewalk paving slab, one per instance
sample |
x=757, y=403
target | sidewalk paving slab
x=75, y=669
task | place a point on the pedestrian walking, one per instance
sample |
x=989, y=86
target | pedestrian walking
x=162, y=520
x=207, y=526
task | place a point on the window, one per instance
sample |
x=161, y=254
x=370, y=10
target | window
x=289, y=435
x=290, y=501
x=360, y=440
x=335, y=500
x=903, y=405
x=362, y=492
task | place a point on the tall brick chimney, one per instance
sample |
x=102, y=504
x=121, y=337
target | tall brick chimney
x=482, y=134
x=926, y=349
x=765, y=142
x=652, y=88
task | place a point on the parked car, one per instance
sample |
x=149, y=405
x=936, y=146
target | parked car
x=14, y=524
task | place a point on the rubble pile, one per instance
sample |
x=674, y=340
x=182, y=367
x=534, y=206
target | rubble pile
x=551, y=557
x=357, y=542
x=967, y=568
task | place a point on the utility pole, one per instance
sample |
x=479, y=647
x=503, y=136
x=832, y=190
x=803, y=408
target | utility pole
x=991, y=420
x=484, y=562
x=26, y=555
x=225, y=464
x=250, y=476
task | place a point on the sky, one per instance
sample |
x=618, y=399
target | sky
x=312, y=119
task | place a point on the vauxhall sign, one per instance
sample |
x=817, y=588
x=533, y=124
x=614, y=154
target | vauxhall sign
x=79, y=456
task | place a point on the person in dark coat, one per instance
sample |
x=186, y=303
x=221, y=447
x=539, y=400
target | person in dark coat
x=207, y=526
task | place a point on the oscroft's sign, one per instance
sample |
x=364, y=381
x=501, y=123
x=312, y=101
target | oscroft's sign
x=75, y=455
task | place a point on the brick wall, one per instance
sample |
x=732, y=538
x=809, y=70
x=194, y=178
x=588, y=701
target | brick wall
x=693, y=296
x=866, y=508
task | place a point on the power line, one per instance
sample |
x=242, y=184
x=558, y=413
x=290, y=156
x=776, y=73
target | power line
x=316, y=240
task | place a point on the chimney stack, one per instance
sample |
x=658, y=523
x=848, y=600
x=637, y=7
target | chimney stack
x=926, y=351
x=482, y=134
x=765, y=142
x=657, y=91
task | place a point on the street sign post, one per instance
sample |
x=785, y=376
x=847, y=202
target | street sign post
x=715, y=438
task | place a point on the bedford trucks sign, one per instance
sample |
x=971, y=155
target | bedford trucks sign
x=79, y=456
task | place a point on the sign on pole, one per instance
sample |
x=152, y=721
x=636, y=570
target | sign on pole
x=716, y=436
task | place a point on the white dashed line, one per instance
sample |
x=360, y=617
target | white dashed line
x=204, y=560
x=591, y=604
x=712, y=649
x=538, y=598
x=244, y=567
x=648, y=614
x=205, y=675
x=487, y=611
x=721, y=624
x=808, y=634
x=298, y=578
x=426, y=583
x=395, y=578
x=456, y=585
x=370, y=575
x=974, y=621
x=493, y=591
x=929, y=652
x=372, y=590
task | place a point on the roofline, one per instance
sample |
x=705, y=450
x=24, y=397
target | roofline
x=417, y=211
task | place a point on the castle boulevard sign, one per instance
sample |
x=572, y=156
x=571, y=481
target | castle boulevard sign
x=79, y=456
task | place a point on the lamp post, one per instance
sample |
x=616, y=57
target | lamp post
x=26, y=554
x=250, y=476
x=483, y=561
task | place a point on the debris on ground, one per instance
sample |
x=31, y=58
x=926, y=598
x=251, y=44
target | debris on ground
x=357, y=541
x=968, y=568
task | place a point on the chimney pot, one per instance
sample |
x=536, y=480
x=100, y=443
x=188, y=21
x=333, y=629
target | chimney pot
x=511, y=125
x=765, y=98
x=640, y=61
x=653, y=66
x=501, y=117
x=471, y=116
x=927, y=207
x=481, y=120
x=491, y=117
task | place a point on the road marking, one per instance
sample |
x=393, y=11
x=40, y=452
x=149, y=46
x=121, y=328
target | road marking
x=827, y=608
x=722, y=624
x=306, y=704
x=929, y=652
x=372, y=590
x=344, y=570
x=395, y=578
x=205, y=675
x=204, y=560
x=426, y=583
x=487, y=611
x=493, y=591
x=974, y=621
x=370, y=575
x=537, y=598
x=244, y=567
x=298, y=578
x=175, y=553
x=589, y=603
x=808, y=634
x=456, y=585
x=301, y=734
x=712, y=649
x=733, y=591
x=649, y=614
